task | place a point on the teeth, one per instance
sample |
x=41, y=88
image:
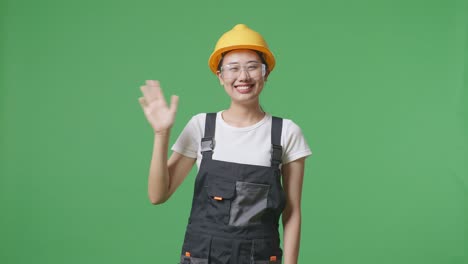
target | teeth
x=243, y=87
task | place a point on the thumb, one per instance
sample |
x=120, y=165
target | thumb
x=142, y=102
x=174, y=103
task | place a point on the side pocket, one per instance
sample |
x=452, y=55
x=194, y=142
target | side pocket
x=250, y=203
x=220, y=195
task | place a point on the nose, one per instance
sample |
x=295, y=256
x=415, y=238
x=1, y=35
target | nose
x=243, y=75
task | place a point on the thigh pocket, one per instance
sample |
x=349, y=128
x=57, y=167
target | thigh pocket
x=220, y=195
x=249, y=204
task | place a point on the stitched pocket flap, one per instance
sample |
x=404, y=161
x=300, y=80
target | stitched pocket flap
x=221, y=190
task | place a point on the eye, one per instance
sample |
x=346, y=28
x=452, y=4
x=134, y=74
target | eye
x=233, y=68
x=252, y=67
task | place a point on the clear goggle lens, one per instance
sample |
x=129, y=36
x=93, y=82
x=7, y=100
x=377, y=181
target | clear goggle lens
x=253, y=70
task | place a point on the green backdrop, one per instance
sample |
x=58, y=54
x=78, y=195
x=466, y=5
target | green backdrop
x=380, y=89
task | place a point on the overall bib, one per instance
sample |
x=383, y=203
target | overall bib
x=235, y=208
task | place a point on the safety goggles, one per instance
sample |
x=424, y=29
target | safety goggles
x=252, y=69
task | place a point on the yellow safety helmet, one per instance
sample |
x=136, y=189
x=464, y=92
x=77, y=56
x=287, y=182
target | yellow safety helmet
x=240, y=37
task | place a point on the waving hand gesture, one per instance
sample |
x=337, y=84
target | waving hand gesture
x=160, y=116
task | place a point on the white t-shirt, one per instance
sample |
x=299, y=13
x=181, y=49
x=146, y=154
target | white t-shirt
x=246, y=145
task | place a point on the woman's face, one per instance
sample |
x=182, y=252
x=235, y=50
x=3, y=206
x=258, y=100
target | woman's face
x=242, y=76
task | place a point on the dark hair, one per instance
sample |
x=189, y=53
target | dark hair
x=260, y=54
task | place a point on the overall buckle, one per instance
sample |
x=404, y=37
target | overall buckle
x=207, y=144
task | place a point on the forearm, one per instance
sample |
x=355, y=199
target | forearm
x=291, y=236
x=158, y=179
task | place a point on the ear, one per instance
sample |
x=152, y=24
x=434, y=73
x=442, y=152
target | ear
x=220, y=78
x=266, y=76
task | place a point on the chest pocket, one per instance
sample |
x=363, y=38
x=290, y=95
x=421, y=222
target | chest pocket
x=250, y=203
x=236, y=204
x=220, y=194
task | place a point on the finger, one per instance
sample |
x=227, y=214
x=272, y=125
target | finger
x=153, y=83
x=151, y=91
x=174, y=103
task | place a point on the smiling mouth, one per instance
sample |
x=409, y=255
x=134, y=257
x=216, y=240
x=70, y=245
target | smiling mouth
x=243, y=87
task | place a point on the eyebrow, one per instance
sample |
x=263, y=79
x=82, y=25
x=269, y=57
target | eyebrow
x=247, y=62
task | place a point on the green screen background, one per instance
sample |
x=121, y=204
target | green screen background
x=379, y=88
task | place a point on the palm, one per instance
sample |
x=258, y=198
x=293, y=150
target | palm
x=157, y=112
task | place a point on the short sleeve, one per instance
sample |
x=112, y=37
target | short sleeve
x=188, y=141
x=294, y=143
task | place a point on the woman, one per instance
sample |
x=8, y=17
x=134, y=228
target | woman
x=250, y=164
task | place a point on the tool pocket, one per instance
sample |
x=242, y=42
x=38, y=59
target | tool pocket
x=250, y=203
x=196, y=249
x=267, y=251
x=220, y=195
x=192, y=260
x=267, y=262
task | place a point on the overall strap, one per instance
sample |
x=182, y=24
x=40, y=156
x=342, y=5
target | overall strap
x=207, y=142
x=277, y=149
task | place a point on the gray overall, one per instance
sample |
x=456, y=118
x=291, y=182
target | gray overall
x=235, y=208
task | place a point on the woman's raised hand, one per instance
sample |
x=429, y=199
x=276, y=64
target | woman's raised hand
x=160, y=116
